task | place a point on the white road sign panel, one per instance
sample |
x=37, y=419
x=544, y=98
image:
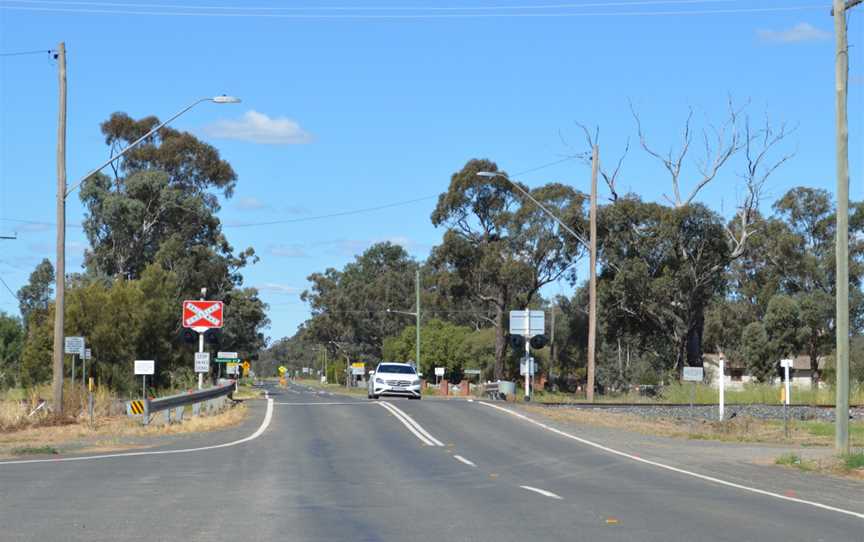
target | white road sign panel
x=229, y=355
x=471, y=371
x=88, y=354
x=74, y=345
x=145, y=366
x=439, y=371
x=786, y=363
x=535, y=320
x=202, y=362
x=693, y=374
x=523, y=368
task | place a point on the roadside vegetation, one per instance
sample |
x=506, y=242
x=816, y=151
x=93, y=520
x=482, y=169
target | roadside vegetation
x=849, y=465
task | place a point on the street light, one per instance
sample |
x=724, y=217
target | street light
x=63, y=193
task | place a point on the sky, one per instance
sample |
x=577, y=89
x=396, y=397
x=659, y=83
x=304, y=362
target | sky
x=364, y=109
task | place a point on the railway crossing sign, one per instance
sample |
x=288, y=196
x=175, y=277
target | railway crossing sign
x=202, y=315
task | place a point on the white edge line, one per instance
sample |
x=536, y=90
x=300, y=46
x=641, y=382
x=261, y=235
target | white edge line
x=676, y=469
x=416, y=425
x=463, y=460
x=542, y=492
x=268, y=416
x=325, y=403
x=423, y=439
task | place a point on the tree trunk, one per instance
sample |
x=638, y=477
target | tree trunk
x=815, y=375
x=500, y=340
x=694, y=338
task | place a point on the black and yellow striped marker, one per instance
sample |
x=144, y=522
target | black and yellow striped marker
x=137, y=407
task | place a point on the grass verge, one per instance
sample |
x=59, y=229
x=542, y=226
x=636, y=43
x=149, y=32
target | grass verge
x=35, y=450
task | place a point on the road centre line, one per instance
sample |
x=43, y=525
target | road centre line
x=268, y=416
x=674, y=469
x=542, y=492
x=463, y=460
x=412, y=425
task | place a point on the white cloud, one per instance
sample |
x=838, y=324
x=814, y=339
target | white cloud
x=280, y=289
x=257, y=127
x=288, y=251
x=801, y=32
x=250, y=204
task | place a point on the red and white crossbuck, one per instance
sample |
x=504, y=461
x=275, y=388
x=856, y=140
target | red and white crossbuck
x=202, y=315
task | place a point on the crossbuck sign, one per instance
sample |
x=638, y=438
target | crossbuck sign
x=202, y=315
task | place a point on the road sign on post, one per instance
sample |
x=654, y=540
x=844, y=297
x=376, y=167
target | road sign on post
x=202, y=315
x=74, y=345
x=88, y=354
x=145, y=367
x=202, y=362
x=693, y=374
x=535, y=324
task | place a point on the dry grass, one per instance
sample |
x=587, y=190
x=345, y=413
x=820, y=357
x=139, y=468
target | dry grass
x=108, y=433
x=741, y=429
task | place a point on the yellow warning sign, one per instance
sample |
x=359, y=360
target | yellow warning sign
x=137, y=407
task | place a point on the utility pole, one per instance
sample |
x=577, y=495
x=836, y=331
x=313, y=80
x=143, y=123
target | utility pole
x=592, y=287
x=417, y=312
x=60, y=270
x=841, y=410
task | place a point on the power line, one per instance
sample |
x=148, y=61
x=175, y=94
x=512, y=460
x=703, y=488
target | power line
x=23, y=53
x=9, y=289
x=536, y=7
x=403, y=16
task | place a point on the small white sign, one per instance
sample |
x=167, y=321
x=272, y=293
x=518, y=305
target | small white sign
x=439, y=371
x=523, y=367
x=693, y=374
x=228, y=355
x=471, y=371
x=88, y=354
x=527, y=323
x=202, y=362
x=305, y=370
x=786, y=363
x=232, y=368
x=74, y=345
x=145, y=366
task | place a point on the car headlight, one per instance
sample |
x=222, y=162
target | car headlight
x=379, y=380
x=415, y=382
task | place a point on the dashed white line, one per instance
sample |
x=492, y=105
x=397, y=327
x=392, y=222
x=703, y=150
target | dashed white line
x=412, y=425
x=463, y=460
x=674, y=469
x=542, y=492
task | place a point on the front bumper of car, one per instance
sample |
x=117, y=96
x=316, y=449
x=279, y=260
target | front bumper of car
x=396, y=388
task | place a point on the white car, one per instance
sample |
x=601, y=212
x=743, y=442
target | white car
x=394, y=379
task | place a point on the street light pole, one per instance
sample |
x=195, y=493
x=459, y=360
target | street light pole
x=417, y=291
x=62, y=194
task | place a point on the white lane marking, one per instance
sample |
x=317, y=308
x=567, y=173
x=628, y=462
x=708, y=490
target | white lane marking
x=268, y=416
x=675, y=469
x=326, y=403
x=470, y=400
x=417, y=434
x=542, y=492
x=463, y=460
x=413, y=422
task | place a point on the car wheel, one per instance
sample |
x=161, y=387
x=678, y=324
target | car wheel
x=417, y=398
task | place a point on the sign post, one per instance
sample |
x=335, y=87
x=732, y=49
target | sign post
x=527, y=323
x=694, y=375
x=722, y=387
x=74, y=346
x=145, y=367
x=786, y=364
x=200, y=316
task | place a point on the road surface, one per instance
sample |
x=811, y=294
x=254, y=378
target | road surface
x=325, y=467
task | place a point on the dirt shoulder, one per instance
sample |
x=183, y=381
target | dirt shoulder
x=109, y=434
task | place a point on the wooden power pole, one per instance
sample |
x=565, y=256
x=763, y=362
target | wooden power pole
x=592, y=287
x=841, y=80
x=60, y=268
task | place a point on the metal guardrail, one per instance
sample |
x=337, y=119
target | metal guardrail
x=151, y=406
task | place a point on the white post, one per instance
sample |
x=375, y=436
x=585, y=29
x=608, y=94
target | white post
x=200, y=349
x=722, y=387
x=786, y=378
x=527, y=354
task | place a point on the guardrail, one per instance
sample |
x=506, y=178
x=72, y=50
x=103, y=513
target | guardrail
x=178, y=402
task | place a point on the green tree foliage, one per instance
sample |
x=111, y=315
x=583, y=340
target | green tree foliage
x=497, y=251
x=35, y=296
x=756, y=352
x=442, y=344
x=349, y=307
x=783, y=326
x=11, y=343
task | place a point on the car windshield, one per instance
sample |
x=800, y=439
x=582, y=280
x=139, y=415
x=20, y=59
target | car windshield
x=397, y=369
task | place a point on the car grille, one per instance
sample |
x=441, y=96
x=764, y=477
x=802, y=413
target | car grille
x=398, y=383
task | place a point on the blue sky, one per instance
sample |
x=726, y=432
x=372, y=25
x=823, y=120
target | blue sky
x=345, y=112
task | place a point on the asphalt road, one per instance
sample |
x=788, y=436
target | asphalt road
x=331, y=468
